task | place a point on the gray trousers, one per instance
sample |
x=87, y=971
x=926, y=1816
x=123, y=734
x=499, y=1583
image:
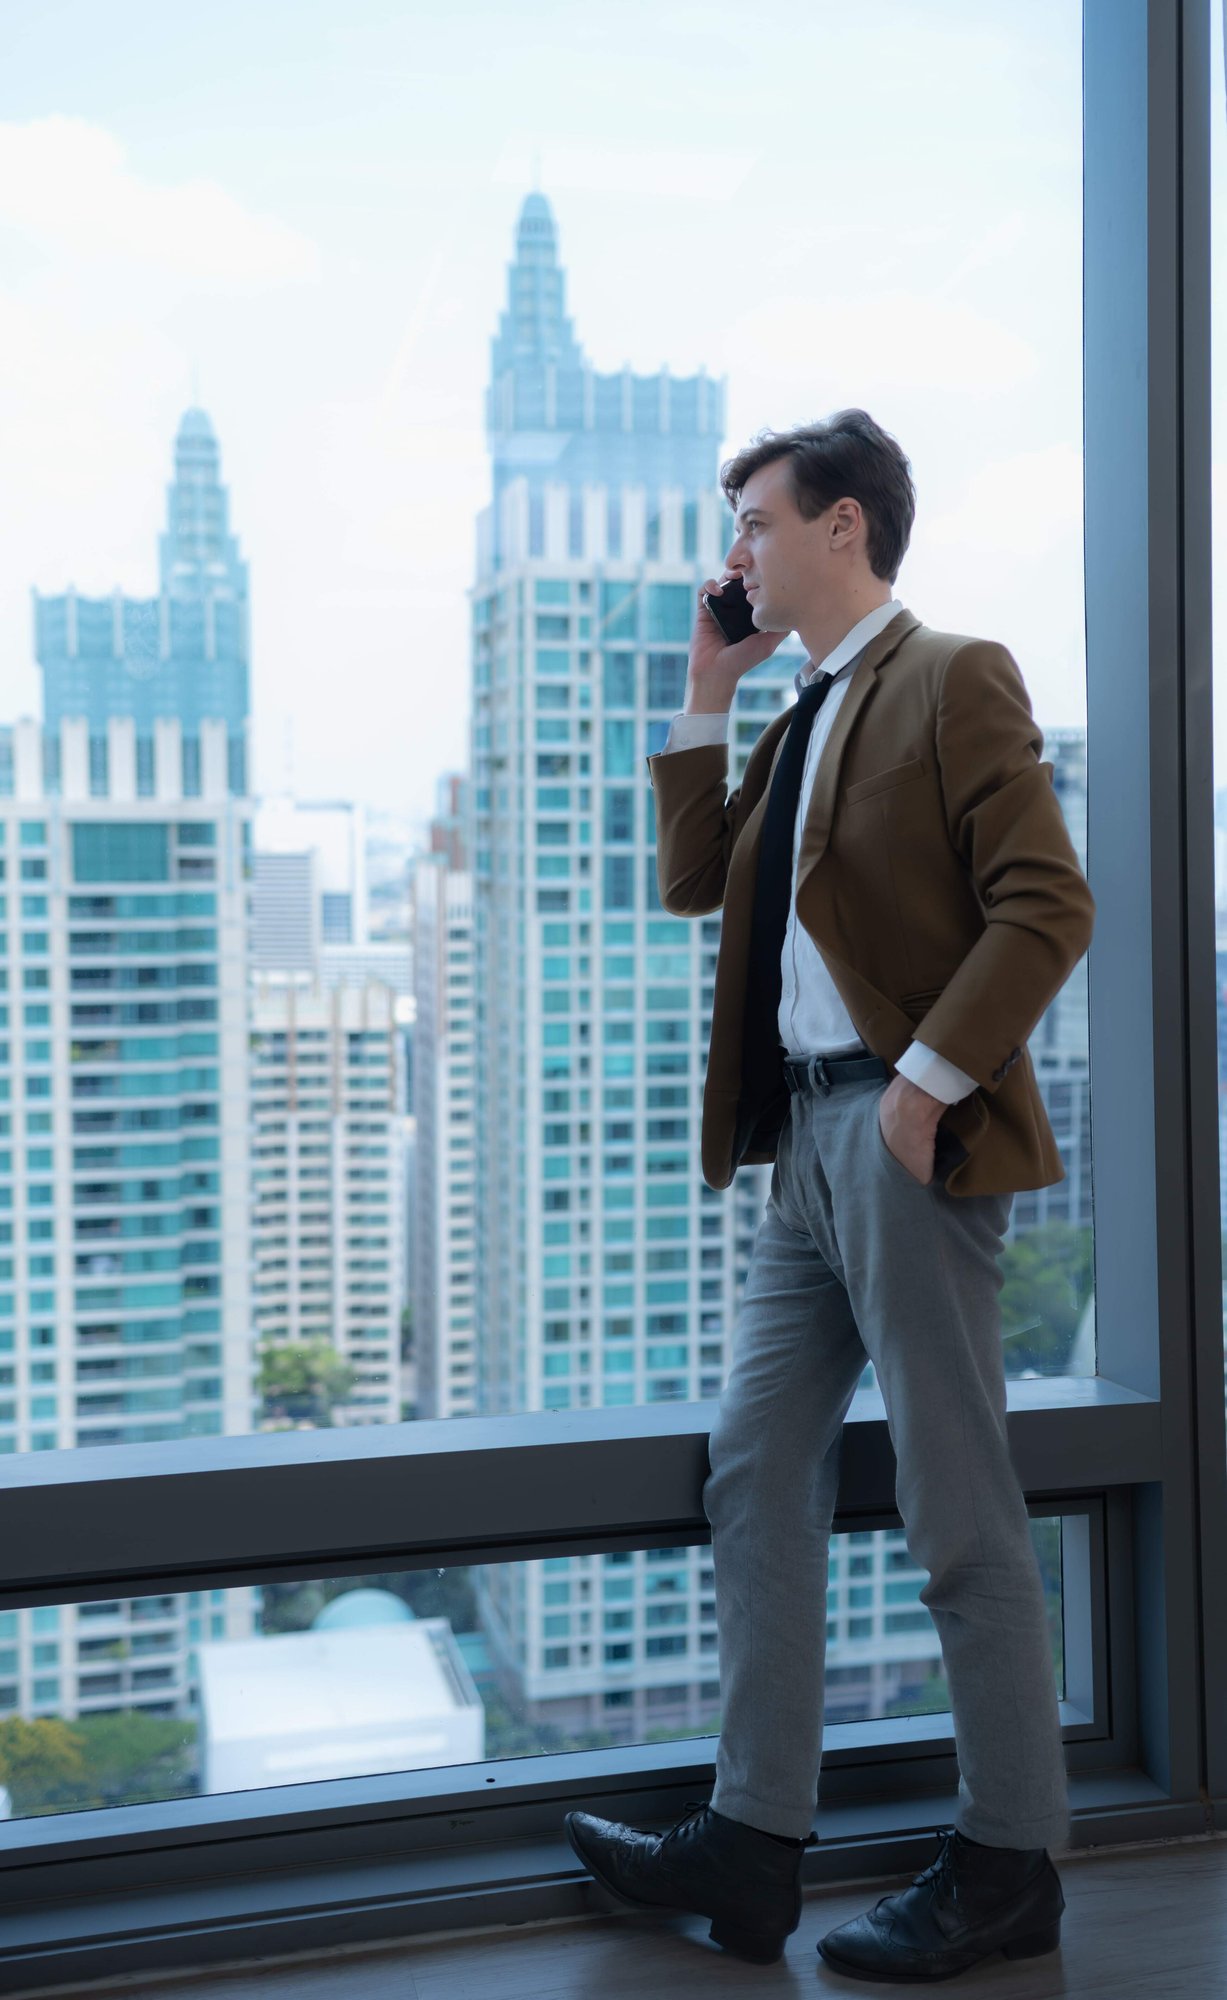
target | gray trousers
x=855, y=1258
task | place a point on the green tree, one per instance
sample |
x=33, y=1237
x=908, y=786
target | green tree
x=42, y=1765
x=1048, y=1274
x=125, y=1758
x=302, y=1381
x=406, y=1333
x=136, y=1759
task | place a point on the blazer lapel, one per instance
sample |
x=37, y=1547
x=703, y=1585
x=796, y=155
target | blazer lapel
x=826, y=779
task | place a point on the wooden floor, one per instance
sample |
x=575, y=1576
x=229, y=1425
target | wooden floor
x=1140, y=1924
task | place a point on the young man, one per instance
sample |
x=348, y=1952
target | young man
x=901, y=902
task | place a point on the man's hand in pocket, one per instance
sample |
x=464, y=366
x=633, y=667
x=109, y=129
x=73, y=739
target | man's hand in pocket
x=909, y=1118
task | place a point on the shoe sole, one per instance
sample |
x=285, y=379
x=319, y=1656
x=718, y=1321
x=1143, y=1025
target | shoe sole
x=1037, y=1945
x=742, y=1946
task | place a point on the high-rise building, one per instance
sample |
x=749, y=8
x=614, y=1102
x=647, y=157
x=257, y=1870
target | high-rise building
x=444, y=1106
x=559, y=432
x=333, y=831
x=310, y=903
x=328, y=1171
x=125, y=1311
x=607, y=1272
x=170, y=663
x=285, y=916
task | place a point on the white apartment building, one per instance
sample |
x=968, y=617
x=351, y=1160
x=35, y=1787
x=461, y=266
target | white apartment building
x=328, y=1178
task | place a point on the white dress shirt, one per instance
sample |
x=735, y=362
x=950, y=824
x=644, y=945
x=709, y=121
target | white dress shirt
x=813, y=1018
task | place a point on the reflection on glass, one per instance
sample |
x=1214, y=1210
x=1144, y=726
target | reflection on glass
x=165, y=1697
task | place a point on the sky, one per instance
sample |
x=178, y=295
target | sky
x=301, y=216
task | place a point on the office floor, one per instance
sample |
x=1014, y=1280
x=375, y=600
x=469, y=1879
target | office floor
x=1140, y=1924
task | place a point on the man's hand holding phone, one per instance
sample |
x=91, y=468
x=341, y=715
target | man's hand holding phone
x=717, y=662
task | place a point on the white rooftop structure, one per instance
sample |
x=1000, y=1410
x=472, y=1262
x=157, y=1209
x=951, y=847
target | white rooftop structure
x=340, y=1703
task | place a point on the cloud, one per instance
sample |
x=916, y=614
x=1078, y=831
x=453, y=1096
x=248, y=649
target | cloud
x=891, y=341
x=68, y=184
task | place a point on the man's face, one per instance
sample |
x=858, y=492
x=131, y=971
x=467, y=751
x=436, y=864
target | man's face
x=783, y=559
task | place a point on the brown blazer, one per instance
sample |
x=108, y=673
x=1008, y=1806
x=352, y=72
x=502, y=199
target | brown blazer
x=936, y=878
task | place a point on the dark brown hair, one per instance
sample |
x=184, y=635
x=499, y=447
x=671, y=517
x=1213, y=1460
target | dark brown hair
x=846, y=457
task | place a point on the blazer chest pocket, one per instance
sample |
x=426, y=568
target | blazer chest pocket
x=885, y=781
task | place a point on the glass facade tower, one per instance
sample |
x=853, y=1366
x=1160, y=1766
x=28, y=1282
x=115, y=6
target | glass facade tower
x=125, y=1281
x=181, y=655
x=607, y=1272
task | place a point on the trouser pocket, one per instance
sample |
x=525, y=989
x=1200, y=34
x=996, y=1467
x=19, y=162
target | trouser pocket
x=948, y=1150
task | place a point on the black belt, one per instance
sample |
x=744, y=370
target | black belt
x=823, y=1072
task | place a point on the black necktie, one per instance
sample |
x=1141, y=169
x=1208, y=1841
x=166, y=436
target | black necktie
x=760, y=1051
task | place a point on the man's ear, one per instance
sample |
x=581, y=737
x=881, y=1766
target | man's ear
x=846, y=517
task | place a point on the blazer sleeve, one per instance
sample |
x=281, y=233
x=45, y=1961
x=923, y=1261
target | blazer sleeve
x=1005, y=821
x=696, y=825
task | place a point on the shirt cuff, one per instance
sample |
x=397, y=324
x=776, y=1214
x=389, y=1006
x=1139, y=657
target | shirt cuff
x=694, y=732
x=931, y=1072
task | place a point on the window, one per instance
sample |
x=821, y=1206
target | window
x=619, y=749
x=666, y=680
x=671, y=609
x=114, y=852
x=619, y=815
x=619, y=680
x=619, y=605
x=619, y=882
x=603, y=515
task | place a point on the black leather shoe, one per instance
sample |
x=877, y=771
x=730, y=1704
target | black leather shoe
x=748, y=1883
x=969, y=1903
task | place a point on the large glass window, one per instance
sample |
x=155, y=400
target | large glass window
x=210, y=1221
x=233, y=1690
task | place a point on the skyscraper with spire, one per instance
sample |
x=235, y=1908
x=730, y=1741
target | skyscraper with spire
x=170, y=662
x=125, y=1192
x=607, y=1272
x=558, y=428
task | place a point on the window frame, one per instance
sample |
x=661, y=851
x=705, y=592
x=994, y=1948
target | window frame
x=1135, y=1458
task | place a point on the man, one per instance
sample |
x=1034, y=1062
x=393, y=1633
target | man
x=901, y=902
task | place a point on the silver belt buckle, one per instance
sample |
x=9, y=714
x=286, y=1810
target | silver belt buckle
x=819, y=1074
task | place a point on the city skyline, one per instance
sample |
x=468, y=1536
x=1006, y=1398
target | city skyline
x=337, y=306
x=588, y=1028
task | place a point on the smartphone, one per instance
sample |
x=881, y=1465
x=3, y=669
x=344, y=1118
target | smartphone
x=732, y=610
